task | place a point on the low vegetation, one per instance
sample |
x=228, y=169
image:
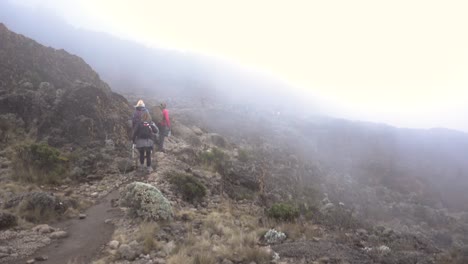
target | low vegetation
x=147, y=235
x=39, y=163
x=226, y=234
x=214, y=158
x=283, y=212
x=191, y=189
x=243, y=155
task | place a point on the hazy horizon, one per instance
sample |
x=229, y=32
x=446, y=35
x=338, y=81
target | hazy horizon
x=403, y=63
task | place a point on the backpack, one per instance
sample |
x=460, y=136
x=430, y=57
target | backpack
x=144, y=130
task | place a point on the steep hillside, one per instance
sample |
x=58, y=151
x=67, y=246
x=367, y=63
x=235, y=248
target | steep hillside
x=52, y=95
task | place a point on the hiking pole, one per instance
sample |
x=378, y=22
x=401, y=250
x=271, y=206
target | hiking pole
x=133, y=151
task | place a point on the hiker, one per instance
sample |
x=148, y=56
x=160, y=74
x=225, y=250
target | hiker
x=164, y=126
x=143, y=134
x=140, y=114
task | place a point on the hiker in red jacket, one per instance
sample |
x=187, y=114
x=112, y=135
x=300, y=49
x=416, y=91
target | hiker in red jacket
x=164, y=126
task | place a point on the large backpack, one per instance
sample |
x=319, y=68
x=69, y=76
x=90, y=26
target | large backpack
x=144, y=130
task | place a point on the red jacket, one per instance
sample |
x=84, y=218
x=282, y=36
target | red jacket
x=166, y=121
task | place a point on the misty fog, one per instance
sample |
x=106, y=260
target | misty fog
x=438, y=155
x=372, y=77
x=364, y=128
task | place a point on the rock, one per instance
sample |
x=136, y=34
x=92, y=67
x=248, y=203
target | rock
x=327, y=208
x=126, y=252
x=146, y=201
x=58, y=235
x=361, y=232
x=169, y=247
x=159, y=261
x=4, y=255
x=27, y=85
x=30, y=261
x=114, y=244
x=7, y=220
x=274, y=237
x=5, y=250
x=43, y=229
x=197, y=131
x=383, y=250
x=324, y=260
x=82, y=216
x=41, y=258
x=95, y=195
x=227, y=261
x=45, y=86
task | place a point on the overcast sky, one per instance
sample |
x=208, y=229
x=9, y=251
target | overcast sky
x=402, y=62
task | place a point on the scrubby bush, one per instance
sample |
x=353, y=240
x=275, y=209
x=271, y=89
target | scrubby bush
x=7, y=220
x=274, y=237
x=39, y=163
x=37, y=207
x=243, y=156
x=337, y=218
x=146, y=201
x=204, y=258
x=283, y=211
x=188, y=186
x=213, y=157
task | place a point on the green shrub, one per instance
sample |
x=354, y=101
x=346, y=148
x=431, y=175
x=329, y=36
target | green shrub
x=213, y=157
x=39, y=163
x=39, y=207
x=283, y=211
x=243, y=156
x=190, y=187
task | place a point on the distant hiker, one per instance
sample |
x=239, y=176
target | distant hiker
x=164, y=126
x=143, y=134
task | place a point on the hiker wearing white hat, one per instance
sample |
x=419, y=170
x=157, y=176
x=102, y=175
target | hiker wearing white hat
x=142, y=136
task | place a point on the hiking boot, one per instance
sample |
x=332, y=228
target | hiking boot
x=149, y=169
x=141, y=168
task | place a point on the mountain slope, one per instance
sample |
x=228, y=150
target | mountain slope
x=56, y=96
x=133, y=68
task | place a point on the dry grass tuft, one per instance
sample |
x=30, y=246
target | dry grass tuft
x=226, y=235
x=146, y=235
x=204, y=258
x=180, y=257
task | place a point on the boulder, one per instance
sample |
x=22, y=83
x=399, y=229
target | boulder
x=43, y=229
x=58, y=235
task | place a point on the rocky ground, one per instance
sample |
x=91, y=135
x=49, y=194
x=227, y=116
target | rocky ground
x=220, y=227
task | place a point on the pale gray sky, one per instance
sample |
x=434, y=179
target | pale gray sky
x=402, y=62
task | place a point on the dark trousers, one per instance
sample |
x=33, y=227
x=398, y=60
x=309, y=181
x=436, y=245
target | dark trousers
x=144, y=151
x=163, y=131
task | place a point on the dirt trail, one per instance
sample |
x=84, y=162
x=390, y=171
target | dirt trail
x=85, y=237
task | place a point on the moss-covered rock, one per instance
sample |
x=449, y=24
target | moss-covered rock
x=146, y=201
